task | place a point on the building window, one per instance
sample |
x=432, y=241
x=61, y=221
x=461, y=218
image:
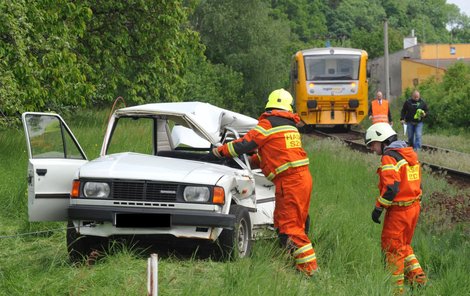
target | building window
x=452, y=50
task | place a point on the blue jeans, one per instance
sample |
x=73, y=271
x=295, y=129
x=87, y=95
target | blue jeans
x=415, y=132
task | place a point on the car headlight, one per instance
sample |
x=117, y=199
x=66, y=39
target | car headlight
x=196, y=194
x=96, y=189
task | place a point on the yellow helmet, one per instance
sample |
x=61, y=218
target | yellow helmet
x=280, y=99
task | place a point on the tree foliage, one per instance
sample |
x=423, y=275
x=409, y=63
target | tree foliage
x=356, y=14
x=374, y=41
x=306, y=18
x=68, y=53
x=213, y=83
x=39, y=65
x=243, y=36
x=138, y=49
x=449, y=100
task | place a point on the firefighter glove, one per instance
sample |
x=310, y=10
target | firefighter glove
x=216, y=153
x=376, y=214
x=212, y=156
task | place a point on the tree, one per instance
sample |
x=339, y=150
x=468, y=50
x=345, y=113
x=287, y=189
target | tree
x=459, y=29
x=138, y=49
x=306, y=18
x=40, y=68
x=72, y=53
x=364, y=15
x=243, y=36
x=449, y=100
x=217, y=84
x=429, y=18
x=373, y=42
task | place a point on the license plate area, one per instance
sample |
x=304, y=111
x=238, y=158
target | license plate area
x=143, y=220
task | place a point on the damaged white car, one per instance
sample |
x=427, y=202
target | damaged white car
x=155, y=177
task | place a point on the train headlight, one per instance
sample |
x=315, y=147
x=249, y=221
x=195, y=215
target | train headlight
x=311, y=88
x=353, y=87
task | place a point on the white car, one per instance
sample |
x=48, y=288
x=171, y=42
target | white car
x=154, y=177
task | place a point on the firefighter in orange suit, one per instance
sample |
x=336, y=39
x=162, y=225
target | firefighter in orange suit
x=400, y=194
x=283, y=161
x=379, y=110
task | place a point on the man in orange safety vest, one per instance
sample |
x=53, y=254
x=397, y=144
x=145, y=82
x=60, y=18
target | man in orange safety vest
x=379, y=110
x=283, y=161
x=400, y=194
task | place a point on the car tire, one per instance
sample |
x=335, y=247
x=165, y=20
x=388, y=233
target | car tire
x=236, y=243
x=80, y=247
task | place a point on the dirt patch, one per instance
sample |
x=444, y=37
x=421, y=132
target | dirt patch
x=445, y=211
x=458, y=182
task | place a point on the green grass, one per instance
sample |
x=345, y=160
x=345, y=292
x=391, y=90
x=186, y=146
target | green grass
x=347, y=242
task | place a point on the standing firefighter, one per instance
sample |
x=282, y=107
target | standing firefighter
x=400, y=193
x=283, y=161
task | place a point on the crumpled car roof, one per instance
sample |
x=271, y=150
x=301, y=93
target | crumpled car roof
x=207, y=120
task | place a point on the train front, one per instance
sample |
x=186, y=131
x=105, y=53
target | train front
x=330, y=86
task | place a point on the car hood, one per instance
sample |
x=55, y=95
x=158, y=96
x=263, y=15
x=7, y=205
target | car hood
x=154, y=168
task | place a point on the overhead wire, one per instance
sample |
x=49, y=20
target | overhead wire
x=41, y=231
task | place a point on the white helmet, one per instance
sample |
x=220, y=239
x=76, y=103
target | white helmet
x=379, y=132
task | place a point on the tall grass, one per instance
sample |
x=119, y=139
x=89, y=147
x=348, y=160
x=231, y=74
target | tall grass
x=347, y=242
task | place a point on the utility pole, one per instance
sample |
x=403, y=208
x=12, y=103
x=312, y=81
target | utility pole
x=387, y=69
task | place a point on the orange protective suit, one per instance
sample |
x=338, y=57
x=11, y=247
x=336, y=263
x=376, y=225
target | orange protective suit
x=283, y=160
x=400, y=194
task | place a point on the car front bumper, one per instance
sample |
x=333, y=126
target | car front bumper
x=167, y=217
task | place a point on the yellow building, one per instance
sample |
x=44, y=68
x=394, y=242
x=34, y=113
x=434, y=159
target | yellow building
x=414, y=64
x=444, y=51
x=433, y=60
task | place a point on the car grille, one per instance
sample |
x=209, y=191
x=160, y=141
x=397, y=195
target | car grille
x=144, y=191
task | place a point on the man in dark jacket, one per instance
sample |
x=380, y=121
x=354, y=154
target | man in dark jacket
x=412, y=114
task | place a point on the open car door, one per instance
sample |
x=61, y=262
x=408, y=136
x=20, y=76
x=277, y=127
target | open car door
x=54, y=158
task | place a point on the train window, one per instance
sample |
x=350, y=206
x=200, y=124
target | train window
x=315, y=68
x=336, y=67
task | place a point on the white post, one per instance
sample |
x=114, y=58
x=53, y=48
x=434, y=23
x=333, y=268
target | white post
x=152, y=275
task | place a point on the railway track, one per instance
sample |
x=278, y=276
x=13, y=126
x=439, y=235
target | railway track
x=355, y=140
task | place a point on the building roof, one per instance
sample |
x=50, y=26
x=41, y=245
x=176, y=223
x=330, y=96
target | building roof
x=439, y=63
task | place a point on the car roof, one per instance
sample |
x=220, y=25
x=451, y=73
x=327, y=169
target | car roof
x=207, y=120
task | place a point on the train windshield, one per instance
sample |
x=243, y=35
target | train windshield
x=332, y=67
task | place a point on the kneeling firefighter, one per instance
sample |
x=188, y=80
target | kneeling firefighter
x=283, y=161
x=400, y=194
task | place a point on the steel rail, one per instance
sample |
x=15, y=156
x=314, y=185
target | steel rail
x=461, y=176
x=424, y=147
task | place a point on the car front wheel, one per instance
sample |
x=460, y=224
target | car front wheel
x=236, y=243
